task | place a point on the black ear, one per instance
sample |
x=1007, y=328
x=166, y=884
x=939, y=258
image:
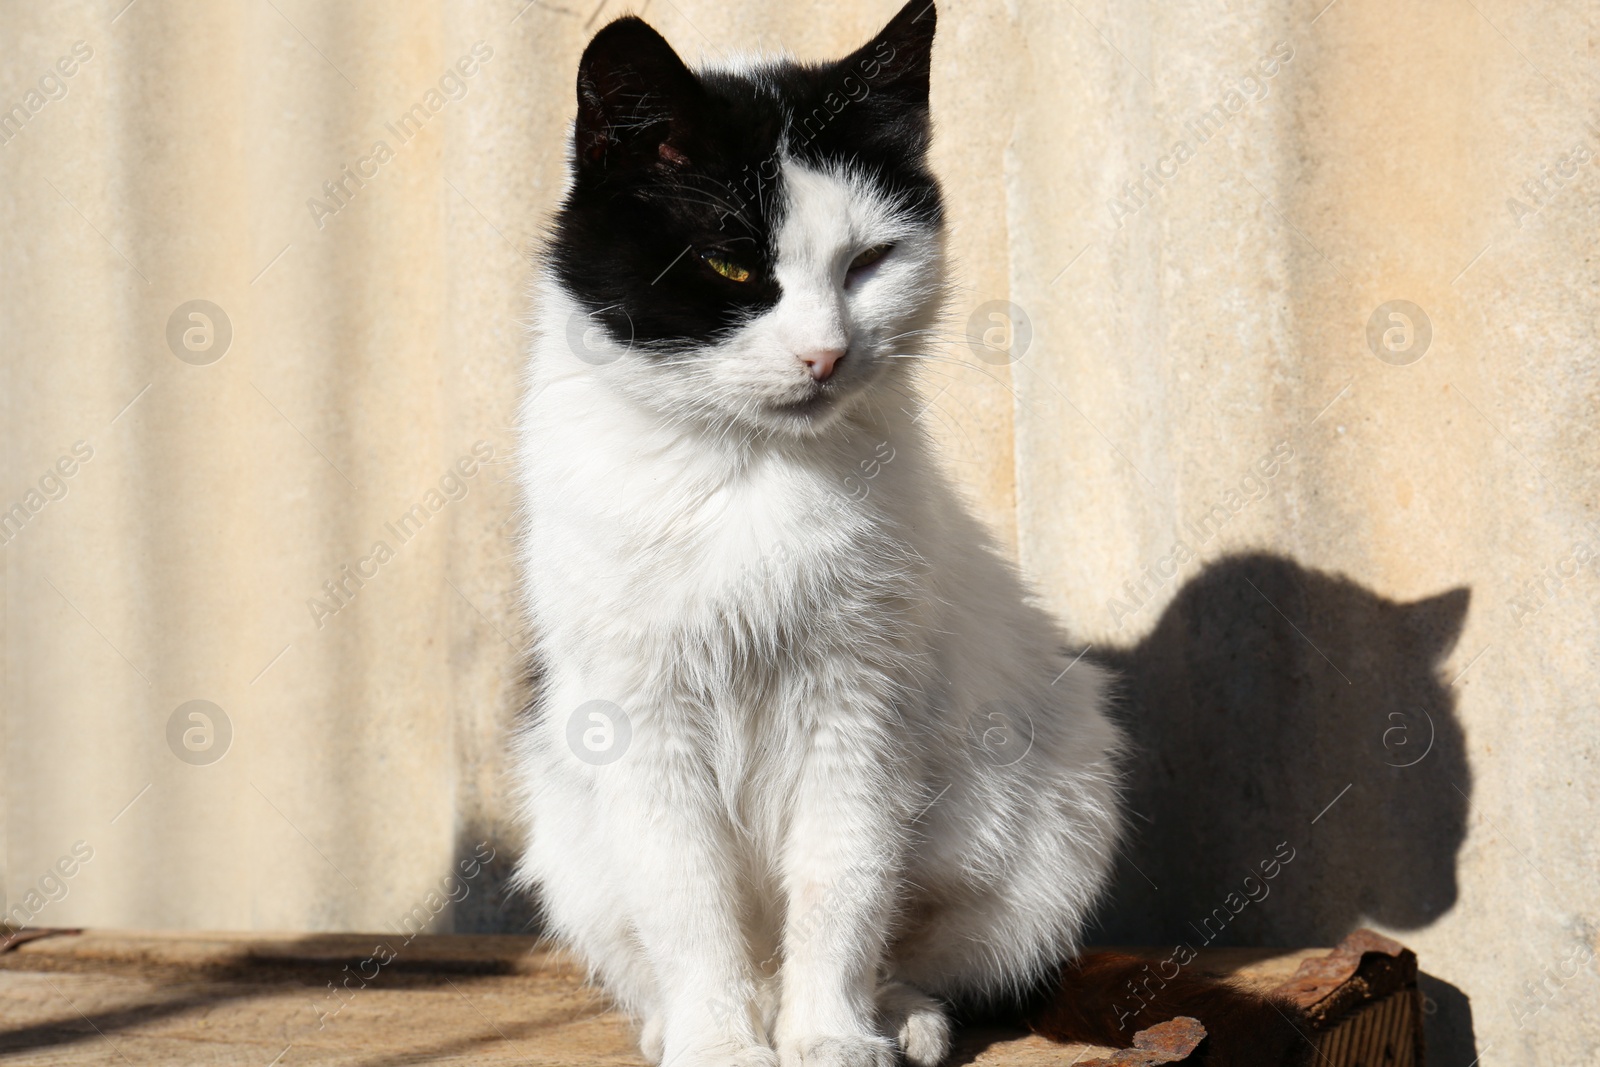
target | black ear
x=636, y=99
x=898, y=60
x=894, y=68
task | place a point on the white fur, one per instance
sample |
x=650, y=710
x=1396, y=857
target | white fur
x=818, y=831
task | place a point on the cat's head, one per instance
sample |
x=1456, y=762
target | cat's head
x=758, y=246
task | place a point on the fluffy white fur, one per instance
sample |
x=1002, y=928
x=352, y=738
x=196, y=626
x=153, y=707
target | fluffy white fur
x=858, y=784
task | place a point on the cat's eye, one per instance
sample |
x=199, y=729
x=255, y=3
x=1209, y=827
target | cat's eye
x=727, y=268
x=870, y=256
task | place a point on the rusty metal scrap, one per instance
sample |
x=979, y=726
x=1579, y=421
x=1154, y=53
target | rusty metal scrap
x=1170, y=1042
x=1366, y=966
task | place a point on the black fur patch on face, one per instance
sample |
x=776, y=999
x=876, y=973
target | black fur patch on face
x=672, y=169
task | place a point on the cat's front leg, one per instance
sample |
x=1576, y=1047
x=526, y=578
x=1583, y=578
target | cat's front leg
x=841, y=866
x=683, y=902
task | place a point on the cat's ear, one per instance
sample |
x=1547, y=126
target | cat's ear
x=895, y=67
x=904, y=48
x=636, y=99
x=1437, y=621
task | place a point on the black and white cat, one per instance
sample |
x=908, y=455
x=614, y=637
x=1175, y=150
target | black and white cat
x=807, y=763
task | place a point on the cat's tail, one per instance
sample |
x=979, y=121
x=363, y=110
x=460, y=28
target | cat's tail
x=1105, y=998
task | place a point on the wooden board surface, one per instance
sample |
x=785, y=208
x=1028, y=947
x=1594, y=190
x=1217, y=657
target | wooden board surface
x=256, y=1000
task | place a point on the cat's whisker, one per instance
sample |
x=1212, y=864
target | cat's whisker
x=932, y=362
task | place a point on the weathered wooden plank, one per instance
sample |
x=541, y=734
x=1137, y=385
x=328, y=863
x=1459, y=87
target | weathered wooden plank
x=349, y=1000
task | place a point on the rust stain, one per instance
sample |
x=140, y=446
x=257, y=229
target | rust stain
x=1168, y=1042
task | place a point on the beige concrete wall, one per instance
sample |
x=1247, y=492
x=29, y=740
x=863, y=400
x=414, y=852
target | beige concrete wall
x=1375, y=596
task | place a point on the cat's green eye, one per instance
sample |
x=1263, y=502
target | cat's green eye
x=870, y=256
x=727, y=268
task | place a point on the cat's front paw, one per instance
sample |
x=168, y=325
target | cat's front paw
x=924, y=1038
x=722, y=1055
x=917, y=1021
x=652, y=1038
x=855, y=1050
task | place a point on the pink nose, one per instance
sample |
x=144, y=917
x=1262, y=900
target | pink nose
x=820, y=362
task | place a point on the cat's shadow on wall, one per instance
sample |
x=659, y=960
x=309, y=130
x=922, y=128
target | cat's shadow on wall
x=1275, y=708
